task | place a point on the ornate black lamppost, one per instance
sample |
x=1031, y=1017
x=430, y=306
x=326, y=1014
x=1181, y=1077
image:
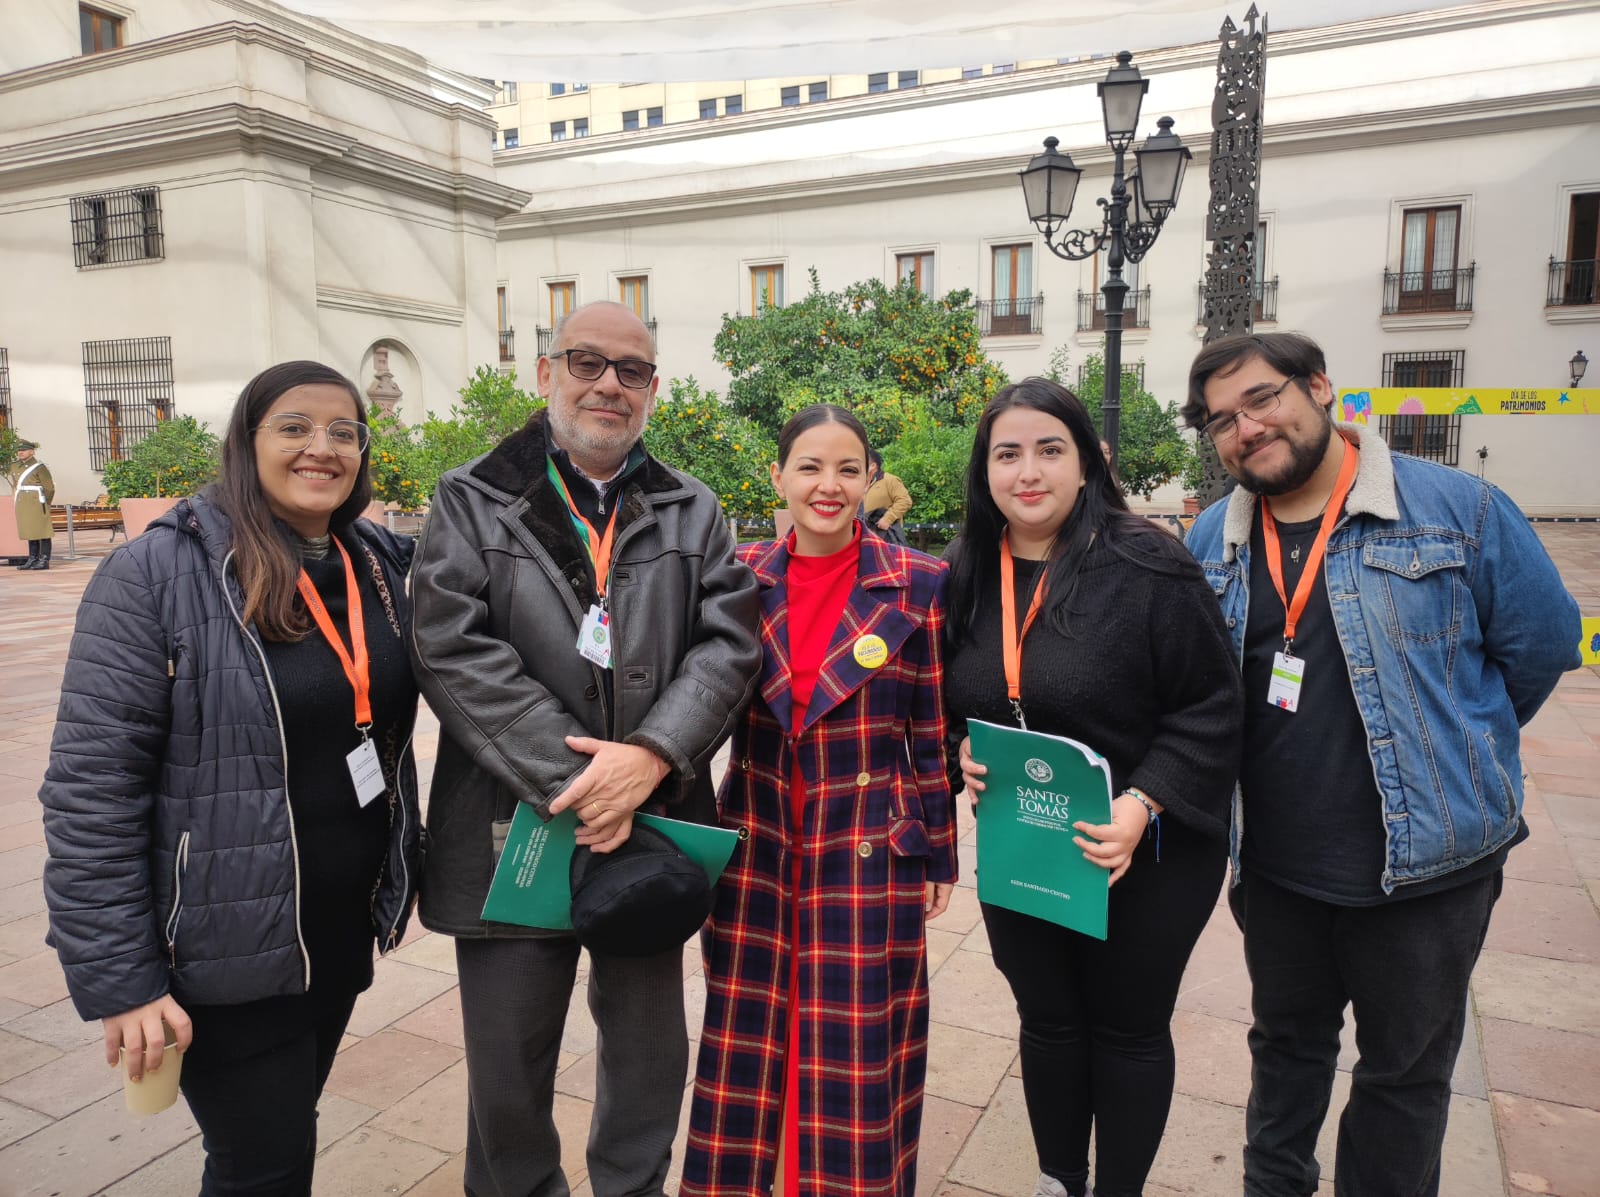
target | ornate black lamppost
x=1051, y=180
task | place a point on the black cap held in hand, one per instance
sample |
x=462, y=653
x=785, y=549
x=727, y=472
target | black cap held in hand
x=645, y=898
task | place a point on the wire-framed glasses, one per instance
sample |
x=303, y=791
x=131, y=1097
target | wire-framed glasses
x=1258, y=405
x=294, y=433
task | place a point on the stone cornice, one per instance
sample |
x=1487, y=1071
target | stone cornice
x=1347, y=131
x=389, y=306
x=227, y=128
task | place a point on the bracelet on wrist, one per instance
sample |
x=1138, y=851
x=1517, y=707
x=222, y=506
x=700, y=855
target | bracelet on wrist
x=1152, y=824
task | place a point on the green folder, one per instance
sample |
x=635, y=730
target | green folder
x=532, y=884
x=1037, y=787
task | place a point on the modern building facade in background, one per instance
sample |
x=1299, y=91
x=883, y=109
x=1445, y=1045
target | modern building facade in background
x=265, y=186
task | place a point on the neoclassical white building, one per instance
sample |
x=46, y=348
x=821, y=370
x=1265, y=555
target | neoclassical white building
x=191, y=190
x=1429, y=204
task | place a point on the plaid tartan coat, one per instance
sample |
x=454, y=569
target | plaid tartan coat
x=879, y=821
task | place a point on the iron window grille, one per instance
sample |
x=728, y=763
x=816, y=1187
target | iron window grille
x=117, y=226
x=1434, y=438
x=1092, y=309
x=127, y=391
x=1132, y=377
x=5, y=389
x=1014, y=316
x=1573, y=283
x=1428, y=290
x=508, y=344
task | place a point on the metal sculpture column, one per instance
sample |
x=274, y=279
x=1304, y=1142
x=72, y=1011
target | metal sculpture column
x=1230, y=287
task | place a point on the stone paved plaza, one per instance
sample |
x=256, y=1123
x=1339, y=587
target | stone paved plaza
x=1525, y=1118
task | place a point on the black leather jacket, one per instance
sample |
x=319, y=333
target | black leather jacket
x=173, y=861
x=499, y=586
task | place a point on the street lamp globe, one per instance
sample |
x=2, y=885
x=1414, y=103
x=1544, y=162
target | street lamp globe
x=1048, y=185
x=1121, y=95
x=1162, y=160
x=1580, y=365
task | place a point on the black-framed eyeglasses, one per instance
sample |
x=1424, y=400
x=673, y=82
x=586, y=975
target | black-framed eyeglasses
x=632, y=372
x=1258, y=405
x=293, y=433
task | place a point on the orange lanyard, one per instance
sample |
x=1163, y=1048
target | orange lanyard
x=357, y=670
x=599, y=546
x=1308, y=578
x=1012, y=646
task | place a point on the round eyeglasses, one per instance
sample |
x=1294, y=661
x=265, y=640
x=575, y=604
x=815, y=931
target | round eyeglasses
x=633, y=373
x=294, y=433
x=1258, y=405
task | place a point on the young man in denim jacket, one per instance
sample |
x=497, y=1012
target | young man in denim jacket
x=1398, y=622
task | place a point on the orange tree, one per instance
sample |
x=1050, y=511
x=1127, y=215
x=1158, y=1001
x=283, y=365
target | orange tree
x=700, y=435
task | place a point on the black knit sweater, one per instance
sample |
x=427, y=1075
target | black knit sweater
x=1148, y=677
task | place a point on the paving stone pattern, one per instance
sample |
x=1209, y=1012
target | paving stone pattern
x=1525, y=1117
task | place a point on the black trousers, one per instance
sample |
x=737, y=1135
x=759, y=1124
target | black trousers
x=257, y=1107
x=1097, y=1017
x=1403, y=967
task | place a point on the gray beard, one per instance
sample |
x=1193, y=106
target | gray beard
x=1303, y=462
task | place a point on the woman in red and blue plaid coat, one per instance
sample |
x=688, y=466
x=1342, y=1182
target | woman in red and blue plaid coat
x=814, y=1049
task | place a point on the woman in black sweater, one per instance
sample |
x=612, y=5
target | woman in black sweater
x=1127, y=653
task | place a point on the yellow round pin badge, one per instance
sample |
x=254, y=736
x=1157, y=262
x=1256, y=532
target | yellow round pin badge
x=871, y=652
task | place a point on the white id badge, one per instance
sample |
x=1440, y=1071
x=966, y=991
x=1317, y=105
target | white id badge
x=1283, y=691
x=366, y=772
x=594, y=637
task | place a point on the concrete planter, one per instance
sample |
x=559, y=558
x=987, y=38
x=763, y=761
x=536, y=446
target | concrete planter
x=139, y=514
x=12, y=547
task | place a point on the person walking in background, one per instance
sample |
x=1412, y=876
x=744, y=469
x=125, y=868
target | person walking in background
x=1398, y=622
x=35, y=490
x=886, y=503
x=814, y=1048
x=570, y=524
x=217, y=863
x=1099, y=626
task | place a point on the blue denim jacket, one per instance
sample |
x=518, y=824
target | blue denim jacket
x=1455, y=627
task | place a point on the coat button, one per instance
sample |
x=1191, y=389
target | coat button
x=863, y=780
x=745, y=764
x=863, y=849
x=591, y=692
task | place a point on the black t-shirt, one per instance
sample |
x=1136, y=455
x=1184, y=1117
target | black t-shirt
x=1313, y=814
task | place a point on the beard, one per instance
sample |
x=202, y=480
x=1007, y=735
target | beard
x=589, y=442
x=1304, y=458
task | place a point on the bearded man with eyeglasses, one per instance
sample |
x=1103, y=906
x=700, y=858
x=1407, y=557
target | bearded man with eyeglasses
x=1398, y=622
x=570, y=531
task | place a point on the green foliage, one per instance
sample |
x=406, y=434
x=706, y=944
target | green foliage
x=177, y=458
x=1151, y=446
x=931, y=459
x=867, y=342
x=406, y=463
x=700, y=435
x=9, y=440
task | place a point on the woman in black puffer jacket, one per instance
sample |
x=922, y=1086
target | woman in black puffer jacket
x=213, y=861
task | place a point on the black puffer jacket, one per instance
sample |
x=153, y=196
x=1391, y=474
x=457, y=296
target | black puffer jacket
x=172, y=853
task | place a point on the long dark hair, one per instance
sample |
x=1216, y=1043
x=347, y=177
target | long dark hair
x=808, y=418
x=1099, y=514
x=264, y=552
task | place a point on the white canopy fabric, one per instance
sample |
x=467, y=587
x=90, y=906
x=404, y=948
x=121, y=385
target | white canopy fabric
x=645, y=41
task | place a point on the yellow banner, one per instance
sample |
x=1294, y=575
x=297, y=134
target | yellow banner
x=1359, y=406
x=1591, y=641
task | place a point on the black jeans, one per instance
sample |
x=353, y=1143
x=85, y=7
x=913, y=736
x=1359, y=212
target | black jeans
x=257, y=1108
x=1403, y=967
x=1097, y=1017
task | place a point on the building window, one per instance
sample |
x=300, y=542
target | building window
x=878, y=82
x=790, y=97
x=563, y=298
x=633, y=291
x=512, y=139
x=508, y=92
x=1430, y=278
x=652, y=117
x=580, y=127
x=1437, y=438
x=1575, y=279
x=972, y=72
x=817, y=92
x=732, y=105
x=502, y=308
x=117, y=226
x=708, y=109
x=127, y=391
x=630, y=120
x=1135, y=304
x=1013, y=304
x=558, y=130
x=5, y=389
x=577, y=87
x=906, y=79
x=766, y=288
x=1002, y=68
x=98, y=30
x=558, y=89
x=915, y=268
